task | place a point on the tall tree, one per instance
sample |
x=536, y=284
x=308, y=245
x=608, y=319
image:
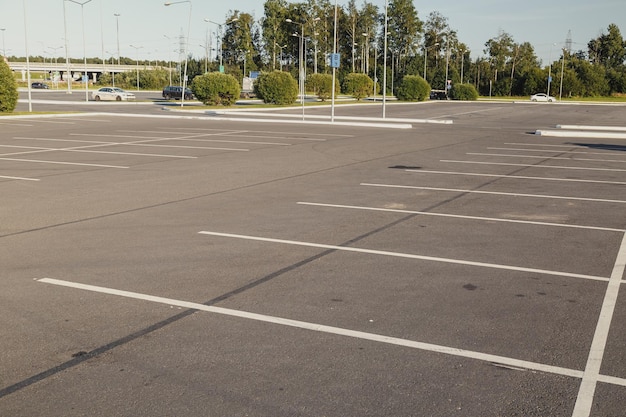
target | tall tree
x=273, y=38
x=612, y=51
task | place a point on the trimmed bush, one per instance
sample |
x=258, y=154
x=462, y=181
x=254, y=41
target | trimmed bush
x=8, y=88
x=322, y=85
x=276, y=87
x=413, y=88
x=358, y=85
x=463, y=92
x=215, y=88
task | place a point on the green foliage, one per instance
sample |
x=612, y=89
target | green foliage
x=276, y=87
x=412, y=88
x=358, y=85
x=216, y=88
x=8, y=88
x=463, y=92
x=148, y=79
x=322, y=85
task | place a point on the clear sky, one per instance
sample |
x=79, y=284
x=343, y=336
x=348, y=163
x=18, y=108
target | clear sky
x=146, y=23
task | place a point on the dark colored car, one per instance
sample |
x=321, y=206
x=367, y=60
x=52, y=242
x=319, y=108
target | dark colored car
x=176, y=92
x=438, y=95
x=39, y=85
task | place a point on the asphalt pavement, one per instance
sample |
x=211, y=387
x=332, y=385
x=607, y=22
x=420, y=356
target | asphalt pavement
x=446, y=260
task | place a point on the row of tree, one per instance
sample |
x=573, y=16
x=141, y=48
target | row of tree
x=427, y=48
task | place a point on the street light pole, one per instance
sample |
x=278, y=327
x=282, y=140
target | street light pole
x=4, y=50
x=85, y=76
x=137, y=48
x=221, y=37
x=68, y=74
x=426, y=56
x=30, y=99
x=385, y=59
x=117, y=23
x=182, y=97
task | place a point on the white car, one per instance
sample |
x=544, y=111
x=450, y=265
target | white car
x=542, y=97
x=111, y=93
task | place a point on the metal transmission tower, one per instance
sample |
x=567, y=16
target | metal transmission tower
x=568, y=42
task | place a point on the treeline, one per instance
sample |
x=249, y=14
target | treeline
x=429, y=48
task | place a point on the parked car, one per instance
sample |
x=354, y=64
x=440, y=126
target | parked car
x=438, y=95
x=39, y=85
x=176, y=92
x=542, y=97
x=112, y=93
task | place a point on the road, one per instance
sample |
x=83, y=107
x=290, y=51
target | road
x=446, y=261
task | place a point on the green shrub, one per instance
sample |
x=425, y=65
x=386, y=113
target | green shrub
x=358, y=85
x=412, y=88
x=463, y=92
x=322, y=85
x=8, y=88
x=276, y=87
x=215, y=89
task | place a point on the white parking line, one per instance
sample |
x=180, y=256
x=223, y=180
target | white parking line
x=532, y=165
x=201, y=138
x=457, y=216
x=80, y=149
x=591, y=375
x=559, y=151
x=316, y=327
x=62, y=163
x=272, y=133
x=458, y=190
x=409, y=256
x=425, y=171
x=546, y=157
x=19, y=178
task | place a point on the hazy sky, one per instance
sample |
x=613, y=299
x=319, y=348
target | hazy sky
x=146, y=23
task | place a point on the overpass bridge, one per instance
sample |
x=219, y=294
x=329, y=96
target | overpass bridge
x=76, y=69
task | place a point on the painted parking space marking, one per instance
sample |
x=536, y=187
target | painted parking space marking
x=591, y=375
x=458, y=216
x=459, y=190
x=429, y=347
x=407, y=255
x=37, y=161
x=81, y=149
x=144, y=143
x=452, y=161
x=298, y=135
x=523, y=177
x=559, y=151
x=546, y=157
x=203, y=137
x=18, y=178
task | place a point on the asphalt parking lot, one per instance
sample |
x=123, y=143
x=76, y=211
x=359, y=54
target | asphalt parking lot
x=214, y=265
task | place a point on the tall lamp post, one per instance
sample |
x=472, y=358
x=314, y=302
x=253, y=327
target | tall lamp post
x=300, y=59
x=426, y=56
x=281, y=54
x=550, y=68
x=169, y=3
x=220, y=26
x=68, y=74
x=117, y=24
x=137, y=48
x=85, y=76
x=385, y=56
x=302, y=64
x=4, y=50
